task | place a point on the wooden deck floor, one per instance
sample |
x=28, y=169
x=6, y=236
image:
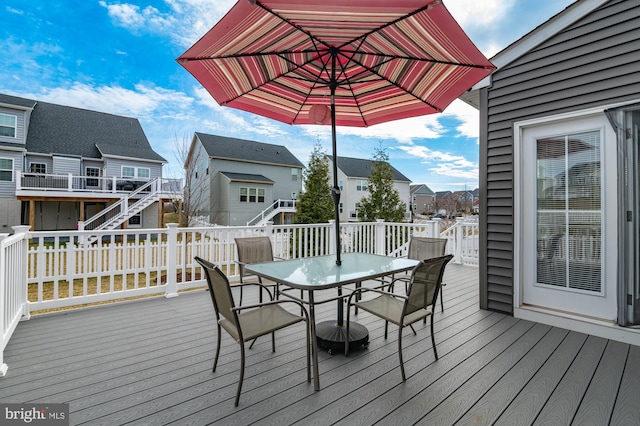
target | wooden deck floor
x=149, y=362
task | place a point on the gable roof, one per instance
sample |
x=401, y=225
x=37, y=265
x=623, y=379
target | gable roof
x=540, y=34
x=247, y=177
x=13, y=101
x=420, y=189
x=360, y=168
x=222, y=147
x=58, y=129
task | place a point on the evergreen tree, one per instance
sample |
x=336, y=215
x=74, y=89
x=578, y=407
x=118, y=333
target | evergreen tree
x=315, y=204
x=383, y=201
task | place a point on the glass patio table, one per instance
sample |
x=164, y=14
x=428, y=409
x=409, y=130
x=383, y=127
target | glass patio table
x=312, y=274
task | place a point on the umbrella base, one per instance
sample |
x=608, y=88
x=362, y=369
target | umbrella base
x=332, y=336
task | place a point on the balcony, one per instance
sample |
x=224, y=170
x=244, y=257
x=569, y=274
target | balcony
x=74, y=186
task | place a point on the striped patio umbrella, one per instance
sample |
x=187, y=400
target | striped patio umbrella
x=338, y=62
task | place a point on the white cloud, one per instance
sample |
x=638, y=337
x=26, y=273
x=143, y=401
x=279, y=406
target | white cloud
x=185, y=21
x=442, y=163
x=143, y=102
x=474, y=13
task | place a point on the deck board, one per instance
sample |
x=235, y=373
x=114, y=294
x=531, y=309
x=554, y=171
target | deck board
x=149, y=362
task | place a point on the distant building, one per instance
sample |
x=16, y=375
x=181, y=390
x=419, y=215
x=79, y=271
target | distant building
x=240, y=179
x=60, y=165
x=423, y=199
x=353, y=175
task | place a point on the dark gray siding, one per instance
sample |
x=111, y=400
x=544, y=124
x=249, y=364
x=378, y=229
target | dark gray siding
x=595, y=61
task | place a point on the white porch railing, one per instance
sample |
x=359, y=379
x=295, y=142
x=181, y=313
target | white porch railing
x=13, y=292
x=47, y=270
x=70, y=183
x=287, y=206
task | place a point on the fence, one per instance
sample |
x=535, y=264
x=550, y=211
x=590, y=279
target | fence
x=48, y=270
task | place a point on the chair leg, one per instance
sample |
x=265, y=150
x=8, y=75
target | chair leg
x=441, y=300
x=308, y=327
x=413, y=329
x=433, y=340
x=215, y=360
x=241, y=373
x=386, y=328
x=273, y=341
x=346, y=339
x=404, y=379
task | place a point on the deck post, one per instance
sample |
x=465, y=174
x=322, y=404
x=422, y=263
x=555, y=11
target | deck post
x=379, y=237
x=171, y=290
x=332, y=240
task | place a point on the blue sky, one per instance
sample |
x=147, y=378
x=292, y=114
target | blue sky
x=119, y=57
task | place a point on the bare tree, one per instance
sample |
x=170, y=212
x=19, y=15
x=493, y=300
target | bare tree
x=195, y=184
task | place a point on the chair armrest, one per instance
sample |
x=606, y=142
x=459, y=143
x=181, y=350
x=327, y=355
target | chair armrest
x=374, y=290
x=274, y=302
x=258, y=284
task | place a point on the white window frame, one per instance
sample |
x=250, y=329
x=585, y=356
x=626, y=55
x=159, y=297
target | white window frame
x=7, y=170
x=251, y=194
x=361, y=185
x=521, y=190
x=8, y=126
x=92, y=178
x=35, y=163
x=136, y=172
x=135, y=225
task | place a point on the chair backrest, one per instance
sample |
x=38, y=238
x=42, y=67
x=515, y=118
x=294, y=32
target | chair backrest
x=253, y=250
x=426, y=280
x=220, y=291
x=421, y=248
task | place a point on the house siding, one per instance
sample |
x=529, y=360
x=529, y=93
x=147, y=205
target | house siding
x=114, y=167
x=20, y=125
x=66, y=165
x=591, y=63
x=8, y=189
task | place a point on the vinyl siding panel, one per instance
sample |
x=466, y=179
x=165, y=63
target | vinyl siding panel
x=591, y=63
x=8, y=189
x=66, y=165
x=20, y=125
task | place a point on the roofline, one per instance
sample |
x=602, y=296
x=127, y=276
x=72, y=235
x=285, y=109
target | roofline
x=13, y=148
x=20, y=107
x=120, y=157
x=216, y=157
x=540, y=34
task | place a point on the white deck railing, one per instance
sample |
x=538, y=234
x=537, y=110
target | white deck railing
x=13, y=292
x=47, y=270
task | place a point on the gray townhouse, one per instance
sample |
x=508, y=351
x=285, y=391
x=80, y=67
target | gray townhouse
x=62, y=166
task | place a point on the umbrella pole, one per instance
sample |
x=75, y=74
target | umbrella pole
x=335, y=192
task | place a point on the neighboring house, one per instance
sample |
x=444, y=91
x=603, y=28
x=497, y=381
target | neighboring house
x=559, y=124
x=241, y=179
x=423, y=199
x=353, y=175
x=464, y=201
x=445, y=203
x=60, y=165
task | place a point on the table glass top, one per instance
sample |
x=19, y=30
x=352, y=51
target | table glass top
x=322, y=271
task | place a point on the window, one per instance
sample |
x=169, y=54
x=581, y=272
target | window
x=6, y=169
x=341, y=185
x=569, y=211
x=136, y=221
x=128, y=172
x=8, y=125
x=38, y=168
x=340, y=207
x=92, y=172
x=295, y=173
x=136, y=172
x=361, y=185
x=252, y=195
